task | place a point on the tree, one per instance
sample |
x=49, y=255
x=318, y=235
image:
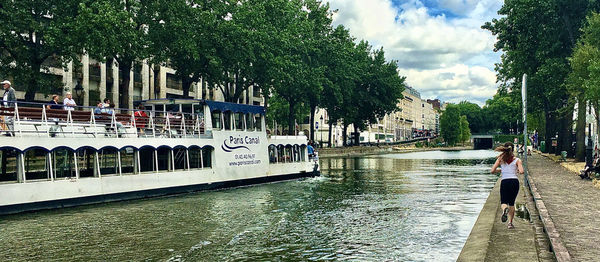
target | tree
x=465, y=131
x=584, y=78
x=474, y=115
x=184, y=35
x=118, y=30
x=33, y=35
x=450, y=124
x=536, y=38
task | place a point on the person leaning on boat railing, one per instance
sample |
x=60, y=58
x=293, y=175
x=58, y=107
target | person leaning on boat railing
x=8, y=97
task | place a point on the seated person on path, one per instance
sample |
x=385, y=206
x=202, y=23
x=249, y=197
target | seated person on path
x=68, y=102
x=54, y=103
x=509, y=185
x=595, y=168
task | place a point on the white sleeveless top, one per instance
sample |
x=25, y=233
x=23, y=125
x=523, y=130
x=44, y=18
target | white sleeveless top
x=509, y=171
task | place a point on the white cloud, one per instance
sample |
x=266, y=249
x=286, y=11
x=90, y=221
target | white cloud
x=449, y=58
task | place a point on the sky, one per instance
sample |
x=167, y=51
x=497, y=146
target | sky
x=439, y=45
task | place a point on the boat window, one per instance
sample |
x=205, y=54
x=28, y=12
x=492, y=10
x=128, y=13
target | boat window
x=239, y=121
x=86, y=159
x=180, y=158
x=303, y=153
x=280, y=154
x=272, y=154
x=63, y=162
x=186, y=108
x=258, y=122
x=296, y=153
x=8, y=164
x=216, y=120
x=36, y=164
x=109, y=164
x=227, y=120
x=289, y=157
x=195, y=157
x=207, y=157
x=250, y=122
x=128, y=160
x=147, y=163
x=164, y=158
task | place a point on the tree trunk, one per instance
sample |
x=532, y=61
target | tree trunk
x=580, y=128
x=312, y=122
x=549, y=132
x=329, y=135
x=125, y=67
x=33, y=82
x=291, y=125
x=567, y=132
x=186, y=84
x=356, y=136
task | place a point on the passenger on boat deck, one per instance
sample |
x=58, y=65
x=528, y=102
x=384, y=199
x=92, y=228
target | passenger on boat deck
x=98, y=109
x=105, y=105
x=54, y=103
x=109, y=109
x=140, y=118
x=9, y=93
x=68, y=102
x=310, y=149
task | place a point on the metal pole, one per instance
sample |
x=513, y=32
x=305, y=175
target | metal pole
x=524, y=98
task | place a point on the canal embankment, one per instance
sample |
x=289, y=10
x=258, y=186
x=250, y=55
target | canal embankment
x=382, y=149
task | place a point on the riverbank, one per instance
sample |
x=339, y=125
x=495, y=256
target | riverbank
x=381, y=149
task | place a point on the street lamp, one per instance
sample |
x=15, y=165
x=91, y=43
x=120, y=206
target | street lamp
x=321, y=131
x=78, y=92
x=396, y=130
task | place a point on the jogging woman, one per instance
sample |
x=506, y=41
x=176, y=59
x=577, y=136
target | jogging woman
x=509, y=187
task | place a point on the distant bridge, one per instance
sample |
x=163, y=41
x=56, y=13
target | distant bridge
x=482, y=141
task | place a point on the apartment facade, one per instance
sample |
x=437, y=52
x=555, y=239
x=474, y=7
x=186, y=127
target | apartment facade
x=100, y=80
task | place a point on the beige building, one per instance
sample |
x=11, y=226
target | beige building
x=101, y=80
x=415, y=117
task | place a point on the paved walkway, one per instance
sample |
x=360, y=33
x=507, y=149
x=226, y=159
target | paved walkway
x=516, y=244
x=573, y=205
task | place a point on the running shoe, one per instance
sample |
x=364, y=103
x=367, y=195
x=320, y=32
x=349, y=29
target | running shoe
x=511, y=226
x=505, y=215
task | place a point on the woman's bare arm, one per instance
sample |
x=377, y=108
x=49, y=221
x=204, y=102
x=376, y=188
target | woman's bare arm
x=520, y=167
x=495, y=167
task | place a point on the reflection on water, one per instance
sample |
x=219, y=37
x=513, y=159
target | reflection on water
x=407, y=207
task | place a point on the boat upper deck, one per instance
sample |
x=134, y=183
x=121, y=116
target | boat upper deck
x=162, y=118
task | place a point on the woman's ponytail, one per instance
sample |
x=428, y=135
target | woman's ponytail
x=506, y=150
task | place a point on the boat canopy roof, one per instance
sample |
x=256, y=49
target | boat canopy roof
x=169, y=101
x=236, y=108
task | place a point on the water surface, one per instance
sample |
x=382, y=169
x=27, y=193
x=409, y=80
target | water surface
x=401, y=207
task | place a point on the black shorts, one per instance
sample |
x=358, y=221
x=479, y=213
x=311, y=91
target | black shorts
x=509, y=188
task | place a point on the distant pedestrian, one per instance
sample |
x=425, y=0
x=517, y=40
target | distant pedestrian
x=141, y=118
x=509, y=185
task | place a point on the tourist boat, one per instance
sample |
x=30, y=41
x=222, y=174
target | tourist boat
x=58, y=157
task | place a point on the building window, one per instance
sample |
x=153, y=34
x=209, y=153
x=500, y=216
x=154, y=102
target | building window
x=174, y=82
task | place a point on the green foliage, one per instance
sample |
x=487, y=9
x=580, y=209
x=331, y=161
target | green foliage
x=29, y=38
x=474, y=115
x=465, y=131
x=279, y=110
x=450, y=125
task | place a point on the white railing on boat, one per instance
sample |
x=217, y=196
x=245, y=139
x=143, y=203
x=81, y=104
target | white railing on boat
x=37, y=119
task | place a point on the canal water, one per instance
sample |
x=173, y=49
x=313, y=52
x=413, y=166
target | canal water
x=398, y=207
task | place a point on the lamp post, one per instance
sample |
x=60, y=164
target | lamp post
x=321, y=131
x=79, y=92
